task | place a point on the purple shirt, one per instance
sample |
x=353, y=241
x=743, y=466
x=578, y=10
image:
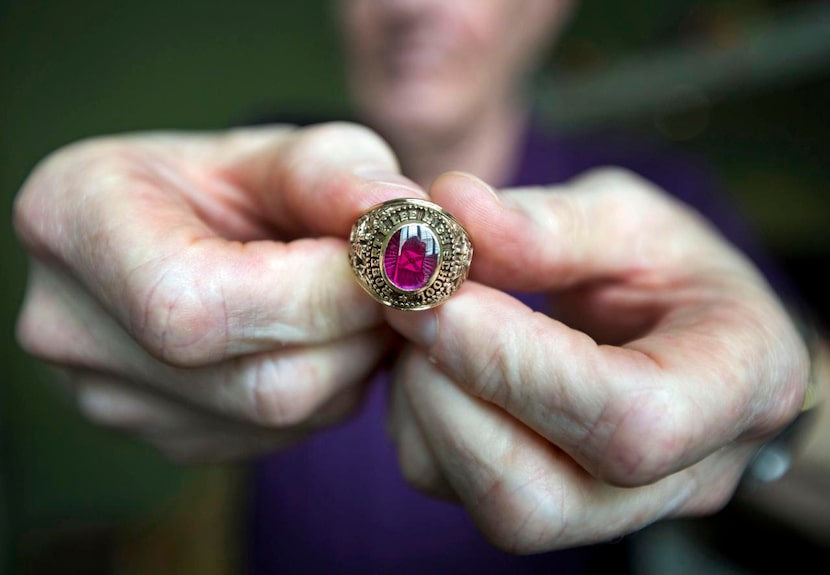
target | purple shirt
x=337, y=503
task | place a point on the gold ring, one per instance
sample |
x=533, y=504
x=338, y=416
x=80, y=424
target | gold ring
x=409, y=254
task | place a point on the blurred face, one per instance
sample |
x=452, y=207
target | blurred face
x=435, y=66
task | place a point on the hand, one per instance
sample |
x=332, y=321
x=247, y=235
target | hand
x=667, y=362
x=193, y=287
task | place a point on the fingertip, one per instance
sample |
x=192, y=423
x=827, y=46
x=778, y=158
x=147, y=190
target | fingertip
x=499, y=232
x=381, y=185
x=319, y=179
x=467, y=197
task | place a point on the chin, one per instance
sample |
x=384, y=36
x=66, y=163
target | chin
x=417, y=116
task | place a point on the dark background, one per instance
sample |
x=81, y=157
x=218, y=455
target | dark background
x=745, y=84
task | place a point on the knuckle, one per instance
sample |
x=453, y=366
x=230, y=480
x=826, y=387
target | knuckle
x=651, y=434
x=333, y=312
x=525, y=519
x=496, y=378
x=282, y=392
x=179, y=315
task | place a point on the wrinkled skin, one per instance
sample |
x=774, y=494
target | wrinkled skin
x=192, y=290
x=195, y=290
x=154, y=287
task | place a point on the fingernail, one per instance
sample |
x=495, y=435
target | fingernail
x=382, y=176
x=495, y=195
x=500, y=198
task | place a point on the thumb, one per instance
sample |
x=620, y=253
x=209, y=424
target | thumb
x=317, y=180
x=607, y=224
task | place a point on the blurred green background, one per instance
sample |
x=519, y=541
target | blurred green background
x=745, y=84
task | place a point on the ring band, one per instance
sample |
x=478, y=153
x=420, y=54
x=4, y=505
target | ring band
x=409, y=254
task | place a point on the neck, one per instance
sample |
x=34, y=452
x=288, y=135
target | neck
x=489, y=150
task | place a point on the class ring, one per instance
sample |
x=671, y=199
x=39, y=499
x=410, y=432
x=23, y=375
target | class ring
x=409, y=254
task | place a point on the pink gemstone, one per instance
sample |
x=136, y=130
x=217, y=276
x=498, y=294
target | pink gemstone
x=411, y=257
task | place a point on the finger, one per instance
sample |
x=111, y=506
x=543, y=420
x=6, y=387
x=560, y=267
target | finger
x=629, y=415
x=128, y=220
x=415, y=458
x=526, y=495
x=694, y=312
x=605, y=224
x=64, y=326
x=321, y=178
x=118, y=405
x=183, y=433
x=198, y=445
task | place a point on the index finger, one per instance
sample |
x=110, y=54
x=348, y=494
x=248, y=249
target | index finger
x=317, y=180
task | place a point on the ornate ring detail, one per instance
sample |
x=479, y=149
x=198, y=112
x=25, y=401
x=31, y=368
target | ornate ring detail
x=409, y=254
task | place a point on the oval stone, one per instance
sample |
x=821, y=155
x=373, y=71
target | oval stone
x=410, y=259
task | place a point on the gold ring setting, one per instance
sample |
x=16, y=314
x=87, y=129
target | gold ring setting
x=409, y=253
